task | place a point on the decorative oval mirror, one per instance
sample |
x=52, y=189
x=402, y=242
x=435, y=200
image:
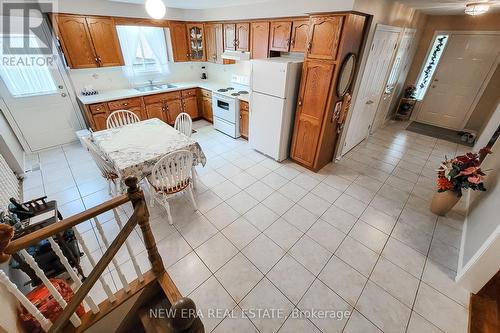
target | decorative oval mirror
x=346, y=74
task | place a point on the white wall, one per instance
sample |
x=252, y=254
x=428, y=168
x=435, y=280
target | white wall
x=110, y=8
x=273, y=8
x=479, y=259
x=10, y=148
x=385, y=12
x=111, y=78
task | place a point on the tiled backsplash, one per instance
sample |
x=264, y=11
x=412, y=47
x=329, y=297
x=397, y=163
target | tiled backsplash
x=111, y=78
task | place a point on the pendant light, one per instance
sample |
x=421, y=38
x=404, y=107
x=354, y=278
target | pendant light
x=156, y=9
x=477, y=7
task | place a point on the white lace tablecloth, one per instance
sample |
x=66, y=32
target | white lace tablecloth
x=134, y=149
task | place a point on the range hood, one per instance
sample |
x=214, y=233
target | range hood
x=236, y=55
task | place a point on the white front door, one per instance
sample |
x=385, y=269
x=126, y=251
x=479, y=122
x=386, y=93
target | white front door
x=39, y=107
x=372, y=85
x=462, y=70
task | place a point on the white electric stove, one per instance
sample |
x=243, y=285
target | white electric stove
x=226, y=107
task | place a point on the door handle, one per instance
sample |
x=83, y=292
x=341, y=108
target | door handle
x=369, y=102
x=63, y=95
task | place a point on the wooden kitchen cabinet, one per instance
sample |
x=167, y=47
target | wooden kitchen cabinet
x=279, y=38
x=179, y=41
x=229, y=36
x=259, y=40
x=243, y=37
x=244, y=119
x=105, y=40
x=173, y=109
x=298, y=40
x=311, y=106
x=134, y=105
x=206, y=105
x=214, y=42
x=88, y=41
x=157, y=110
x=97, y=115
x=237, y=36
x=196, y=42
x=324, y=37
x=74, y=36
x=315, y=135
x=190, y=106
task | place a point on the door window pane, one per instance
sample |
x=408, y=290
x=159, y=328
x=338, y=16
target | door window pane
x=431, y=64
x=25, y=75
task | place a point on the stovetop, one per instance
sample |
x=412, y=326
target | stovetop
x=233, y=91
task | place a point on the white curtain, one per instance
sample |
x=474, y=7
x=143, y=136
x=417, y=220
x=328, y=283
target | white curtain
x=22, y=76
x=129, y=42
x=130, y=38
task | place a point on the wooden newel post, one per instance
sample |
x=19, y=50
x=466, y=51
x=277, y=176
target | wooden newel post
x=137, y=197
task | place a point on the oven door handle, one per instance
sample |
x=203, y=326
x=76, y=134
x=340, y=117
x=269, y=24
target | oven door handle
x=223, y=98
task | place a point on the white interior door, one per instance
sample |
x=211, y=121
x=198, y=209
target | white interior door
x=372, y=85
x=400, y=67
x=462, y=70
x=38, y=104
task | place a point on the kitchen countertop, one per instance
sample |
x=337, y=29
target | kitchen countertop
x=110, y=95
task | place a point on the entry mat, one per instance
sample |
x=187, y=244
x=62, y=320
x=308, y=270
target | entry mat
x=462, y=138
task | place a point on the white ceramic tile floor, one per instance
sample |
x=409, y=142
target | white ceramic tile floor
x=357, y=234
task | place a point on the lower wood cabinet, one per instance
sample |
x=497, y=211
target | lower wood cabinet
x=190, y=106
x=244, y=119
x=206, y=105
x=173, y=108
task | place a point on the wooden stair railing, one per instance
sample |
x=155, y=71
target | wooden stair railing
x=179, y=322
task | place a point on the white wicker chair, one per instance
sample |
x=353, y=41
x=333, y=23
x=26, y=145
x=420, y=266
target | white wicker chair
x=171, y=176
x=121, y=118
x=107, y=170
x=184, y=124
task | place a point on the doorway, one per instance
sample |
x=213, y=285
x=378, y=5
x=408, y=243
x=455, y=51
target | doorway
x=453, y=88
x=400, y=67
x=372, y=86
x=39, y=106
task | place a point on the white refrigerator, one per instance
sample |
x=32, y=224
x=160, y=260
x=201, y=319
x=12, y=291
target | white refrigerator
x=275, y=83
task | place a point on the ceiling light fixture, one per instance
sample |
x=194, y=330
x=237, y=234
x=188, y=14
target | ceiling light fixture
x=477, y=7
x=156, y=9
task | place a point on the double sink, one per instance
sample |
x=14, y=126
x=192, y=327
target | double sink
x=155, y=87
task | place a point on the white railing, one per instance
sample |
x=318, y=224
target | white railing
x=76, y=279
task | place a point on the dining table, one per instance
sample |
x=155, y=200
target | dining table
x=135, y=148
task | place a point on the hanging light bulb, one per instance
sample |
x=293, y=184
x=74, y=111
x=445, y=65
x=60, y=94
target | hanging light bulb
x=477, y=7
x=156, y=9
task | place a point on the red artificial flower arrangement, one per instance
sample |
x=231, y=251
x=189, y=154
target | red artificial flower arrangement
x=463, y=171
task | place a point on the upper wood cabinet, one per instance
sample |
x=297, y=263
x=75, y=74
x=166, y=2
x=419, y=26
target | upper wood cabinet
x=324, y=37
x=229, y=36
x=259, y=39
x=214, y=43
x=298, y=40
x=196, y=41
x=237, y=36
x=105, y=40
x=179, y=41
x=243, y=37
x=279, y=39
x=88, y=41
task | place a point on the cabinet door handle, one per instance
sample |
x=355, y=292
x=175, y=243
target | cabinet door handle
x=292, y=42
x=369, y=102
x=300, y=102
x=309, y=46
x=125, y=104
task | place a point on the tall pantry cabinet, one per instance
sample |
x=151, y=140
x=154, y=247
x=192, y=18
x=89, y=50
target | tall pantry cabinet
x=331, y=38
